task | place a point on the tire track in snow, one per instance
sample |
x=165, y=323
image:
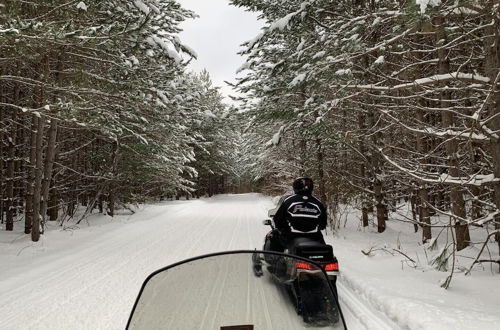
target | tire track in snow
x=56, y=272
x=213, y=299
x=256, y=241
x=223, y=273
x=269, y=323
x=195, y=246
x=354, y=306
x=105, y=263
x=102, y=259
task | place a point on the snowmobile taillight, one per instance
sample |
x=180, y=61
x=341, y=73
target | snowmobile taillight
x=303, y=265
x=332, y=267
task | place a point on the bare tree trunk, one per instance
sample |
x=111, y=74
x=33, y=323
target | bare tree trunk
x=37, y=190
x=302, y=156
x=413, y=202
x=491, y=68
x=50, y=154
x=496, y=157
x=29, y=213
x=114, y=170
x=222, y=185
x=53, y=211
x=423, y=192
x=364, y=216
x=101, y=204
x=19, y=166
x=73, y=195
x=448, y=121
x=424, y=214
x=48, y=182
x=1, y=157
x=377, y=183
x=11, y=163
x=362, y=168
x=9, y=205
x=381, y=207
x=321, y=172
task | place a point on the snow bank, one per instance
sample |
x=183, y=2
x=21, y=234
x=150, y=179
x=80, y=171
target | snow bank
x=411, y=296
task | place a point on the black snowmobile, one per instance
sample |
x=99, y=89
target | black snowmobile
x=299, y=278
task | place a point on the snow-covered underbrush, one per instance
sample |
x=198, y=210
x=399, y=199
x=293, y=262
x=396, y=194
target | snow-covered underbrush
x=403, y=278
x=16, y=248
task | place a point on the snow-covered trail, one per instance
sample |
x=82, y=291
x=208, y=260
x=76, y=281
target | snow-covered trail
x=360, y=314
x=93, y=283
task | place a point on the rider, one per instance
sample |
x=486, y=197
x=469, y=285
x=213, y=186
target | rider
x=300, y=214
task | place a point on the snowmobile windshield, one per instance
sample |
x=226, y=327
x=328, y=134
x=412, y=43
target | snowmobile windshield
x=238, y=290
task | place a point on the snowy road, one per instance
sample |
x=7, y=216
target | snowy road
x=90, y=280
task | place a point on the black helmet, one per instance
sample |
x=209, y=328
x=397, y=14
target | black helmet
x=303, y=186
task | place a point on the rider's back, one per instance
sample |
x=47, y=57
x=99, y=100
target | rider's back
x=300, y=213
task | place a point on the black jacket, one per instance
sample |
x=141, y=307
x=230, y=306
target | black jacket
x=300, y=214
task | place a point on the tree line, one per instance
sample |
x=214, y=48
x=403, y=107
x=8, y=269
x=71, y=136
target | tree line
x=97, y=109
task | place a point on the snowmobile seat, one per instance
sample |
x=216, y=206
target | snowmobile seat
x=306, y=242
x=311, y=249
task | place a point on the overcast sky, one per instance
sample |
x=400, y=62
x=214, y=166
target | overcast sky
x=216, y=37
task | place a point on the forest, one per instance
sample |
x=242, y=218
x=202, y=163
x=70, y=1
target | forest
x=98, y=110
x=384, y=103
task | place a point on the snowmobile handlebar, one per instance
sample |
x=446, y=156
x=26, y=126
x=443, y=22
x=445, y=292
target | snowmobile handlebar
x=268, y=222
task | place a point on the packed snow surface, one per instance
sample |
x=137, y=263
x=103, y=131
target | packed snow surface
x=88, y=276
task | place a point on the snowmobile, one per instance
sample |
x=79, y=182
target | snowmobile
x=299, y=278
x=220, y=291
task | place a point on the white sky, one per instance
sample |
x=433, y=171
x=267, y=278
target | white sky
x=216, y=37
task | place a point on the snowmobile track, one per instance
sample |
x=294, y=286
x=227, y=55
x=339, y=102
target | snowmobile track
x=357, y=309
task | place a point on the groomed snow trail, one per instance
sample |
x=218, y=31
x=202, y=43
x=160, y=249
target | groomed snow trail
x=93, y=282
x=359, y=313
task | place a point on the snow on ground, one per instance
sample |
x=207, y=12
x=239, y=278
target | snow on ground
x=411, y=295
x=89, y=277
